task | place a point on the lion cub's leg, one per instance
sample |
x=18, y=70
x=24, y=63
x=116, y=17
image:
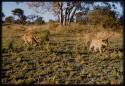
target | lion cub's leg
x=35, y=40
x=101, y=44
x=25, y=40
x=95, y=48
x=104, y=44
x=29, y=40
x=91, y=46
x=100, y=49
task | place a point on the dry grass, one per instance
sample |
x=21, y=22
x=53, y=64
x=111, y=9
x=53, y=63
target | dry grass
x=65, y=59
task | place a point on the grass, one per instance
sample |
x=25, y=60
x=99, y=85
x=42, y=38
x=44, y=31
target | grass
x=62, y=60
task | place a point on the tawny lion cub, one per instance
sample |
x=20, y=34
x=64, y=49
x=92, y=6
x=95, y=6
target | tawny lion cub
x=29, y=38
x=97, y=45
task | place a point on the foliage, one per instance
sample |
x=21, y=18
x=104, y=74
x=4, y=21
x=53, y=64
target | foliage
x=65, y=11
x=39, y=20
x=81, y=17
x=51, y=21
x=17, y=21
x=102, y=16
x=44, y=35
x=9, y=19
x=18, y=11
x=32, y=17
x=21, y=21
x=28, y=22
x=23, y=18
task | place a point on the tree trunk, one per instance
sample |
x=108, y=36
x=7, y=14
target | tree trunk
x=64, y=20
x=61, y=14
x=65, y=17
x=72, y=14
x=58, y=20
x=68, y=16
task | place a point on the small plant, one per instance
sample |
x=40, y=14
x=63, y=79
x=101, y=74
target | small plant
x=47, y=46
x=44, y=36
x=11, y=45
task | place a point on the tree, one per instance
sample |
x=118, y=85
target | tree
x=51, y=21
x=20, y=13
x=9, y=19
x=28, y=22
x=104, y=17
x=81, y=17
x=23, y=19
x=39, y=20
x=62, y=9
x=65, y=10
x=17, y=21
x=32, y=17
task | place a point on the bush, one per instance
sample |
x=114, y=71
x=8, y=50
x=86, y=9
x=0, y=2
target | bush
x=39, y=20
x=53, y=25
x=44, y=35
x=9, y=19
x=51, y=21
x=17, y=21
x=104, y=17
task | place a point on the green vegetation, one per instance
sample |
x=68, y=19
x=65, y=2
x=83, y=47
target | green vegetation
x=39, y=20
x=106, y=16
x=9, y=19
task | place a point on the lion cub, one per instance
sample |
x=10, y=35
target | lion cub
x=29, y=38
x=97, y=44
